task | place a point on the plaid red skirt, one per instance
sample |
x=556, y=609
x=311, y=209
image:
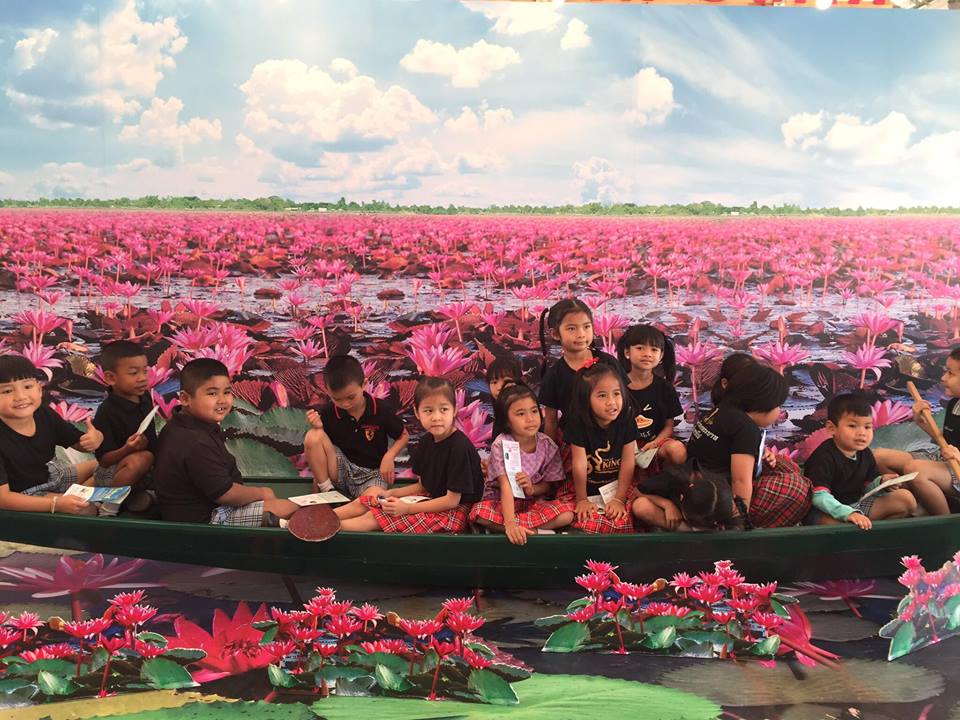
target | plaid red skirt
x=531, y=513
x=596, y=524
x=447, y=521
x=781, y=496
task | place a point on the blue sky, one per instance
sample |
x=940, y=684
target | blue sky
x=479, y=102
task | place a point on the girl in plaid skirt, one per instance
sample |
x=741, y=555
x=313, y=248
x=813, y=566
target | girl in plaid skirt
x=602, y=433
x=518, y=412
x=447, y=467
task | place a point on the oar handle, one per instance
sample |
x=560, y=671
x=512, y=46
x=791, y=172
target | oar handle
x=933, y=428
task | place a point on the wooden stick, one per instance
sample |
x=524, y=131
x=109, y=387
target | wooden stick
x=934, y=429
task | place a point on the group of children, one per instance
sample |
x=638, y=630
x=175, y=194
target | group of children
x=594, y=451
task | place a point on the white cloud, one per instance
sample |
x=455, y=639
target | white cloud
x=135, y=165
x=576, y=36
x=652, y=98
x=76, y=75
x=518, y=18
x=466, y=67
x=799, y=129
x=5, y=177
x=300, y=105
x=160, y=126
x=866, y=143
x=480, y=162
x=342, y=66
x=28, y=51
x=598, y=180
x=469, y=121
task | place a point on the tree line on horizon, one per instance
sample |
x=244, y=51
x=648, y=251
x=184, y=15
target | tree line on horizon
x=275, y=203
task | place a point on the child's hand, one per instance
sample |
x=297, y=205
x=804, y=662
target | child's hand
x=313, y=417
x=90, y=440
x=394, y=506
x=484, y=466
x=517, y=534
x=860, y=520
x=770, y=457
x=649, y=446
x=585, y=510
x=615, y=509
x=388, y=470
x=136, y=442
x=673, y=516
x=918, y=408
x=75, y=505
x=951, y=453
x=523, y=480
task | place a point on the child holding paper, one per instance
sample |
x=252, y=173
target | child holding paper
x=447, y=467
x=524, y=468
x=602, y=434
x=843, y=467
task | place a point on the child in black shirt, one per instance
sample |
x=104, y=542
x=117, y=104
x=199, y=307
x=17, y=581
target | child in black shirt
x=687, y=497
x=447, y=467
x=602, y=435
x=125, y=456
x=347, y=448
x=935, y=477
x=31, y=479
x=569, y=322
x=647, y=356
x=842, y=469
x=196, y=477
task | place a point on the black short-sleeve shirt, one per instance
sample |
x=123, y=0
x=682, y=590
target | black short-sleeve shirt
x=843, y=477
x=604, y=446
x=951, y=423
x=193, y=469
x=674, y=483
x=23, y=459
x=451, y=464
x=556, y=387
x=723, y=432
x=654, y=405
x=363, y=441
x=118, y=418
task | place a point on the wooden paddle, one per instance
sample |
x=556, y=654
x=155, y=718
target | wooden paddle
x=314, y=523
x=934, y=428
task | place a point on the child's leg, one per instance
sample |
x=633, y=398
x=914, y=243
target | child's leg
x=892, y=461
x=648, y=512
x=132, y=468
x=355, y=508
x=560, y=521
x=672, y=452
x=85, y=471
x=930, y=486
x=363, y=523
x=321, y=456
x=898, y=503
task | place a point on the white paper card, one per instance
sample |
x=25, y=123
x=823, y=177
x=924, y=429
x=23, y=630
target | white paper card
x=598, y=501
x=147, y=420
x=105, y=494
x=512, y=465
x=411, y=499
x=321, y=498
x=608, y=491
x=890, y=483
x=645, y=458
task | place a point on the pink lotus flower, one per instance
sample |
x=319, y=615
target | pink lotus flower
x=596, y=566
x=461, y=622
x=874, y=323
x=780, y=355
x=695, y=356
x=889, y=412
x=593, y=583
x=71, y=412
x=867, y=357
x=232, y=648
x=40, y=322
x=42, y=358
x=458, y=604
x=166, y=406
x=437, y=361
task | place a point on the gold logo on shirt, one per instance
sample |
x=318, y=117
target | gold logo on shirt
x=597, y=464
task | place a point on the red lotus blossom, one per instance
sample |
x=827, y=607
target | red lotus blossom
x=634, y=592
x=148, y=651
x=58, y=651
x=594, y=582
x=319, y=606
x=326, y=650
x=391, y=646
x=768, y=621
x=26, y=622
x=133, y=615
x=303, y=634
x=111, y=645
x=280, y=649
x=342, y=626
x=707, y=594
x=442, y=648
x=596, y=566
x=233, y=647
x=723, y=616
x=744, y=605
x=122, y=600
x=913, y=562
x=475, y=660
x=340, y=608
x=461, y=622
x=420, y=628
x=367, y=614
x=684, y=581
x=584, y=614
x=86, y=628
x=8, y=636
x=458, y=604
x=763, y=590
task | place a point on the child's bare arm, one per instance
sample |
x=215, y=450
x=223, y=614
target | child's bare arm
x=239, y=494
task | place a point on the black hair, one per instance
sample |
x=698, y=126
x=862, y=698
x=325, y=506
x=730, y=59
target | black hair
x=341, y=370
x=731, y=365
x=17, y=367
x=434, y=386
x=196, y=372
x=504, y=366
x=510, y=395
x=113, y=353
x=848, y=404
x=587, y=379
x=648, y=335
x=955, y=353
x=551, y=318
x=705, y=497
x=756, y=388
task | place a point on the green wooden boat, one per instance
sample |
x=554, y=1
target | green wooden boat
x=546, y=561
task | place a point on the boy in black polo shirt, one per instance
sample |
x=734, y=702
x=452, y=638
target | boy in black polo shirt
x=125, y=456
x=31, y=478
x=347, y=447
x=196, y=477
